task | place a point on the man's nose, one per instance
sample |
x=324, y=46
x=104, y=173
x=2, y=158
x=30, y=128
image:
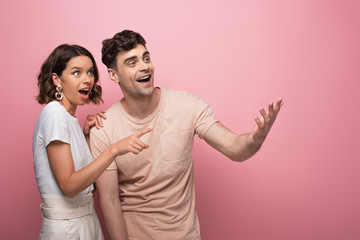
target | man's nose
x=144, y=66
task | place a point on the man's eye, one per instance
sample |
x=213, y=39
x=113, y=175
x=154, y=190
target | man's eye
x=147, y=59
x=132, y=63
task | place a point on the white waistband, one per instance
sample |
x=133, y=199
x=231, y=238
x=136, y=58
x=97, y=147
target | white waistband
x=62, y=207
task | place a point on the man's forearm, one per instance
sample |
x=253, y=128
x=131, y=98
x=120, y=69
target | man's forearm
x=243, y=148
x=236, y=147
x=114, y=219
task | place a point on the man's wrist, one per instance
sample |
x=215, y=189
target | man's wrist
x=254, y=142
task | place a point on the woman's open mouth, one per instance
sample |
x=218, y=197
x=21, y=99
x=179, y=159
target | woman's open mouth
x=84, y=91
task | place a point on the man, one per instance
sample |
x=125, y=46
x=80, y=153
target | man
x=157, y=192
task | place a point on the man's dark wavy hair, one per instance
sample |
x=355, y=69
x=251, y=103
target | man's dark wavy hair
x=124, y=40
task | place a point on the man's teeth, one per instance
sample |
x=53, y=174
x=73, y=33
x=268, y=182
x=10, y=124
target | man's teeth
x=144, y=79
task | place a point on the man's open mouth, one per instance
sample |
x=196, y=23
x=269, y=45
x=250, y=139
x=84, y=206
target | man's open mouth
x=144, y=79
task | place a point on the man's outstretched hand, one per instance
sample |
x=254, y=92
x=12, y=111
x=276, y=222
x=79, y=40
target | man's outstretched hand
x=265, y=121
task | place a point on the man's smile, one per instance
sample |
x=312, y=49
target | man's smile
x=144, y=79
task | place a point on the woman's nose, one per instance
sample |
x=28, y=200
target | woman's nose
x=87, y=79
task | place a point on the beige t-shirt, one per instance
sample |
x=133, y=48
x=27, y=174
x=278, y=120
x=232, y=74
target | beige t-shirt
x=158, y=183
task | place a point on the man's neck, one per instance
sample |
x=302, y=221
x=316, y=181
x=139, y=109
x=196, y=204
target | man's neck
x=141, y=108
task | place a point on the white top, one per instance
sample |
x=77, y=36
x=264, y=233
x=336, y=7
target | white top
x=55, y=123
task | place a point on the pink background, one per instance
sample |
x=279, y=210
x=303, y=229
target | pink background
x=236, y=55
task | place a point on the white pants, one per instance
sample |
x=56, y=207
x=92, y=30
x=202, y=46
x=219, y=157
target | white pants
x=69, y=218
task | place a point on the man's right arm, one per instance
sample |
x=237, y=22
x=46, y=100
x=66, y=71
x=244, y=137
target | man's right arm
x=107, y=183
x=108, y=189
x=110, y=205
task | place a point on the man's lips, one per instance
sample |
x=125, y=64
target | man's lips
x=144, y=79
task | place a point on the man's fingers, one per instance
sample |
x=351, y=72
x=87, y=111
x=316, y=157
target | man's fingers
x=259, y=122
x=264, y=115
x=271, y=110
x=278, y=105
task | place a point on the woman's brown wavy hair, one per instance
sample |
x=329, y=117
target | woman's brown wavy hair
x=56, y=63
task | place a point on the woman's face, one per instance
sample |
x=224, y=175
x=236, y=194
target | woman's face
x=77, y=80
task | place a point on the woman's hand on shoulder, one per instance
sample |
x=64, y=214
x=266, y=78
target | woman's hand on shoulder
x=93, y=120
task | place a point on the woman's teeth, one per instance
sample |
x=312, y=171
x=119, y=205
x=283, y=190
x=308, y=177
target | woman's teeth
x=84, y=91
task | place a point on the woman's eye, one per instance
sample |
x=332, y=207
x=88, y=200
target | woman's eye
x=77, y=73
x=91, y=72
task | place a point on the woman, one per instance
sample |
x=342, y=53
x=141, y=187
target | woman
x=64, y=168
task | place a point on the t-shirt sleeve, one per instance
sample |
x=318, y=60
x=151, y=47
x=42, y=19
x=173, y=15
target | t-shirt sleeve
x=205, y=118
x=99, y=142
x=54, y=126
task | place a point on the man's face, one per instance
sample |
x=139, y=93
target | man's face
x=135, y=72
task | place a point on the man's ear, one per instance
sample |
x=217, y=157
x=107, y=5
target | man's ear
x=113, y=75
x=55, y=79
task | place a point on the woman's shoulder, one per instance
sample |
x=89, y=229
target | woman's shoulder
x=52, y=110
x=52, y=106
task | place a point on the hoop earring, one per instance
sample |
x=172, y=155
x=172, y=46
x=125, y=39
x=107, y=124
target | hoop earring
x=58, y=94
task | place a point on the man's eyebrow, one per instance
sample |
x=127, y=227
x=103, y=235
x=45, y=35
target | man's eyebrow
x=130, y=58
x=135, y=57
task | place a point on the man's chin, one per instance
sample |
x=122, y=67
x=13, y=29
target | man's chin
x=146, y=92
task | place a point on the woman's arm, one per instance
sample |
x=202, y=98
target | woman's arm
x=72, y=182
